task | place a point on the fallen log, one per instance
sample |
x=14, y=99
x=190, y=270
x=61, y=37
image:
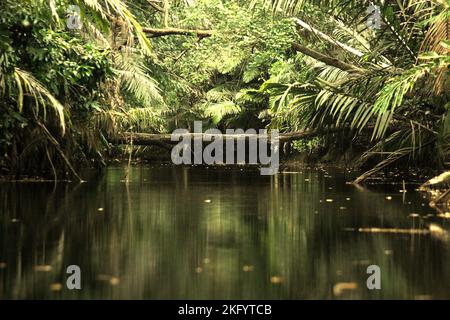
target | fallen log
x=165, y=138
x=155, y=32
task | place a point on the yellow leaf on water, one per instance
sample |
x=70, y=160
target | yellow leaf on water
x=248, y=268
x=114, y=281
x=276, y=280
x=388, y=198
x=56, y=286
x=43, y=268
x=207, y=201
x=341, y=287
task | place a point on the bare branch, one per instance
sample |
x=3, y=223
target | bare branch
x=326, y=59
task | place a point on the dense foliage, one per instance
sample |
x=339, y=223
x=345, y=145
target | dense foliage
x=153, y=66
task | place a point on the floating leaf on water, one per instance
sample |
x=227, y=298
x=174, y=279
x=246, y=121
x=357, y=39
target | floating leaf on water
x=414, y=215
x=43, y=268
x=56, y=286
x=307, y=180
x=207, y=201
x=388, y=198
x=206, y=261
x=100, y=209
x=388, y=252
x=199, y=269
x=348, y=199
x=248, y=268
x=114, y=281
x=444, y=215
x=276, y=280
x=342, y=208
x=341, y=287
x=329, y=200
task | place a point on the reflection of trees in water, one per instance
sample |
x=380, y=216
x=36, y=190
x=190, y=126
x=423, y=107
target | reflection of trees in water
x=161, y=239
x=31, y=226
x=325, y=253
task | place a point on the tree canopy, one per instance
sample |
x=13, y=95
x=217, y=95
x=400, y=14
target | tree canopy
x=154, y=66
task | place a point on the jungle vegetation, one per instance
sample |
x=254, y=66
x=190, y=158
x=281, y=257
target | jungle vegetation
x=157, y=65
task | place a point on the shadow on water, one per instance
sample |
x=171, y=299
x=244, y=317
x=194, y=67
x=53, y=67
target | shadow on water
x=198, y=233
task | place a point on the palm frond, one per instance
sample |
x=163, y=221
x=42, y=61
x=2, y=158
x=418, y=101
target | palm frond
x=28, y=85
x=134, y=77
x=120, y=8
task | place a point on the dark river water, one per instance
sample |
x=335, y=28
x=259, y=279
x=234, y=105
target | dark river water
x=199, y=233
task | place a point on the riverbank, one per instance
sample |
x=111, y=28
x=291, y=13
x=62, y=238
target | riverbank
x=294, y=161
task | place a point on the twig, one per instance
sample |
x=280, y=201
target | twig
x=51, y=163
x=58, y=148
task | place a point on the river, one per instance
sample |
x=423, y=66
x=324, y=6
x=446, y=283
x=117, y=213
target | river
x=218, y=233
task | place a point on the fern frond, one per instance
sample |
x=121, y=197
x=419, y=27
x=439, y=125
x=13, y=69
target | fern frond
x=217, y=111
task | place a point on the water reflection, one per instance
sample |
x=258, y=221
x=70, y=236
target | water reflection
x=199, y=233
